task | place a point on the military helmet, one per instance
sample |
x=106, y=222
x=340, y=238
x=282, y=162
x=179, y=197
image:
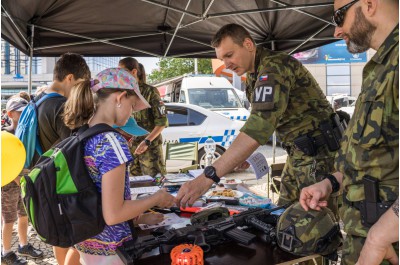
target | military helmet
x=309, y=232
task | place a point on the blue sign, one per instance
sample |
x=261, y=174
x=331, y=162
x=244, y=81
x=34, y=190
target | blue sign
x=332, y=53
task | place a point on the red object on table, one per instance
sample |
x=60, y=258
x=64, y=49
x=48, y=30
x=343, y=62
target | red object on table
x=198, y=209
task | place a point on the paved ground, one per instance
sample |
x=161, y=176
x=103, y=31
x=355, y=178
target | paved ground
x=247, y=176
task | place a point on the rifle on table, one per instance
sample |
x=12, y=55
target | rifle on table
x=205, y=235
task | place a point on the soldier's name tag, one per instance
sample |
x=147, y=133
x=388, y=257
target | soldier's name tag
x=263, y=97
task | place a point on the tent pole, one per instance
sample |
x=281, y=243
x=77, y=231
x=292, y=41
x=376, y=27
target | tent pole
x=30, y=61
x=312, y=36
x=16, y=27
x=176, y=29
x=274, y=134
x=304, y=12
x=92, y=41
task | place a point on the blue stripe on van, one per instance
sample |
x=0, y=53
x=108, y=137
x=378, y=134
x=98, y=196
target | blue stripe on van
x=224, y=140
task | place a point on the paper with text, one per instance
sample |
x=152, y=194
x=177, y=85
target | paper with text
x=259, y=164
x=169, y=219
x=141, y=190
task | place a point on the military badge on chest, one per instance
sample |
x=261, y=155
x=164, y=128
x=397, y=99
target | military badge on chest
x=263, y=94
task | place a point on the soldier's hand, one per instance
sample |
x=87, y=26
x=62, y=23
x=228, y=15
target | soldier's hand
x=315, y=196
x=142, y=147
x=192, y=190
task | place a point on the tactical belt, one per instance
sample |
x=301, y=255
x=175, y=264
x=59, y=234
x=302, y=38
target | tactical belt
x=329, y=133
x=370, y=212
x=317, y=141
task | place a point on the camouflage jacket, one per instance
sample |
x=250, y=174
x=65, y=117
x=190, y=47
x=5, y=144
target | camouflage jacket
x=154, y=116
x=371, y=142
x=285, y=97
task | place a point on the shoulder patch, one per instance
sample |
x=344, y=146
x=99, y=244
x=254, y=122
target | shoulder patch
x=263, y=93
x=263, y=96
x=161, y=108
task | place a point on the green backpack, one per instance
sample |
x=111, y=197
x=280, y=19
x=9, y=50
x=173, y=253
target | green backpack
x=59, y=196
x=304, y=233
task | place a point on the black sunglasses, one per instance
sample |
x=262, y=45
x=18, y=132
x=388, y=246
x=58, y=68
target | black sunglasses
x=339, y=15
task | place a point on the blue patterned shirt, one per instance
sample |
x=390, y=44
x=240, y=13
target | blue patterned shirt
x=104, y=152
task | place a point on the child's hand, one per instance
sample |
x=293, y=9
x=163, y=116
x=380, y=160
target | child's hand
x=164, y=199
x=150, y=218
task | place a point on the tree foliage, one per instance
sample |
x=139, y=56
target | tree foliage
x=172, y=67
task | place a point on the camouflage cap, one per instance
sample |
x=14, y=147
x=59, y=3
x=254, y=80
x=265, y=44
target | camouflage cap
x=308, y=232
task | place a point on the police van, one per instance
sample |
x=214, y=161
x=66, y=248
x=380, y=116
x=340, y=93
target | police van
x=208, y=91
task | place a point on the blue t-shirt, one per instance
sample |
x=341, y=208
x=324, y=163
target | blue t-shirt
x=104, y=152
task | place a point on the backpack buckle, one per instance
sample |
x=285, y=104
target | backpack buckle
x=55, y=152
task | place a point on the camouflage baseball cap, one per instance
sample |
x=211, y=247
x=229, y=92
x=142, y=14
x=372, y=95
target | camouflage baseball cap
x=308, y=232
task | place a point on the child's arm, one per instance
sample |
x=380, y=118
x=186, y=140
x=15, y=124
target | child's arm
x=116, y=209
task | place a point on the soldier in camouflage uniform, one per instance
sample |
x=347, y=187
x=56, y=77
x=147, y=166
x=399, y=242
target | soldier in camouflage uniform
x=286, y=98
x=371, y=142
x=147, y=150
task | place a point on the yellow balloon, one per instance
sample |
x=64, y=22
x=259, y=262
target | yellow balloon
x=13, y=157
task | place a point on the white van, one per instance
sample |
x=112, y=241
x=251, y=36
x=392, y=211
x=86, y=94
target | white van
x=340, y=100
x=214, y=93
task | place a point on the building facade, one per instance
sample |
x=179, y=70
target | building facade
x=15, y=69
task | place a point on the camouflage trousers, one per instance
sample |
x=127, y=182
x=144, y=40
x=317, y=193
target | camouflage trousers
x=301, y=171
x=150, y=162
x=356, y=234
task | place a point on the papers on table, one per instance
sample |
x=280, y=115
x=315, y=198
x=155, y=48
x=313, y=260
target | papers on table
x=144, y=178
x=174, y=178
x=196, y=172
x=141, y=190
x=169, y=219
x=259, y=164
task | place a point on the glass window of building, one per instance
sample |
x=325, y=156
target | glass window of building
x=338, y=79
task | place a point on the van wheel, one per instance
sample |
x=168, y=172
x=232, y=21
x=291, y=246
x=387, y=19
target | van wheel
x=202, y=155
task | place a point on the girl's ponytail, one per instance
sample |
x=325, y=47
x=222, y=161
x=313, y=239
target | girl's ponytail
x=79, y=107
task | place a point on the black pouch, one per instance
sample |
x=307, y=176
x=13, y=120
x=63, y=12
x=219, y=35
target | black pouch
x=306, y=144
x=372, y=208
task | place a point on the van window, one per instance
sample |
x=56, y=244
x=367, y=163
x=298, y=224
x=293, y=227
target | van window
x=212, y=98
x=182, y=97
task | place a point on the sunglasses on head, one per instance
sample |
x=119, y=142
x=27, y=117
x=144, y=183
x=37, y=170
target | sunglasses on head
x=340, y=14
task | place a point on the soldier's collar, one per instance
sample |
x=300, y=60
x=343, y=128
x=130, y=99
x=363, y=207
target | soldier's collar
x=391, y=41
x=257, y=59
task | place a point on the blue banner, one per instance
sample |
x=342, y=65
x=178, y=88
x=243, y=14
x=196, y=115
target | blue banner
x=332, y=53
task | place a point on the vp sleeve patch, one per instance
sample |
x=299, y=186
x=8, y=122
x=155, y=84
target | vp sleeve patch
x=263, y=97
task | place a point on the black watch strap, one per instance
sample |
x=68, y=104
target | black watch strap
x=211, y=173
x=147, y=142
x=335, y=184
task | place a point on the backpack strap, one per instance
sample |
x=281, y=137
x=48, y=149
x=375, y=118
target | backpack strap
x=46, y=96
x=85, y=132
x=38, y=147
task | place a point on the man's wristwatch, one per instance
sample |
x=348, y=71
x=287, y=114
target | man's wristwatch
x=335, y=184
x=211, y=173
x=147, y=142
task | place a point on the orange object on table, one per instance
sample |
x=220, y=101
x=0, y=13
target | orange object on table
x=198, y=209
x=187, y=254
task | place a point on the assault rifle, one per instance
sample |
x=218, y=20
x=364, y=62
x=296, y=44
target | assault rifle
x=205, y=235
